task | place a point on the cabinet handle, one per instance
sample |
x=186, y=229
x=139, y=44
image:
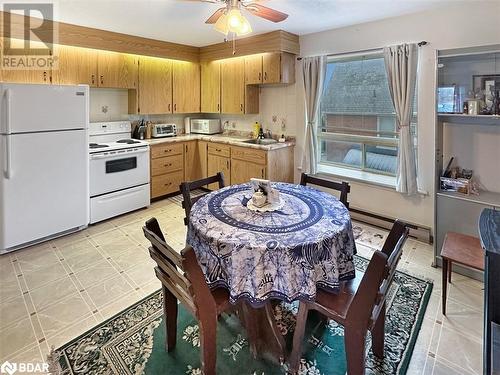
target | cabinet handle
x=44, y=76
x=102, y=80
x=175, y=107
x=260, y=77
x=241, y=107
x=227, y=162
x=167, y=151
x=265, y=76
x=262, y=173
x=167, y=165
x=167, y=184
x=218, y=107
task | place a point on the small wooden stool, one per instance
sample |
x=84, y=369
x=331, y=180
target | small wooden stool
x=462, y=249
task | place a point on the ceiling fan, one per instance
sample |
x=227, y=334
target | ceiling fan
x=230, y=19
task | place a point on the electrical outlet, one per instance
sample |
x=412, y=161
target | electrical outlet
x=275, y=119
x=104, y=109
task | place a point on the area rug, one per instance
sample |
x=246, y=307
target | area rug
x=133, y=341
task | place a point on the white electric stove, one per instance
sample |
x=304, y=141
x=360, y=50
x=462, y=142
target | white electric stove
x=119, y=170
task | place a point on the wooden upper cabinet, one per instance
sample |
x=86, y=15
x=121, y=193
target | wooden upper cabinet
x=75, y=66
x=155, y=85
x=210, y=87
x=186, y=87
x=17, y=75
x=233, y=85
x=117, y=70
x=278, y=67
x=253, y=69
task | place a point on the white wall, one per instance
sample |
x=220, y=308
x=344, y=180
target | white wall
x=456, y=25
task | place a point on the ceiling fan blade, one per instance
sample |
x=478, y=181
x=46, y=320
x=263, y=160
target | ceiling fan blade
x=265, y=12
x=214, y=17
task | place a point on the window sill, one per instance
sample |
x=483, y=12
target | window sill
x=380, y=180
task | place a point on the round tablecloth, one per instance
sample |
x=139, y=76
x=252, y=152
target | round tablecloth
x=285, y=254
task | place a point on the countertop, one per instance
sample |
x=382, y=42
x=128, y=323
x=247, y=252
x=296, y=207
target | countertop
x=489, y=230
x=233, y=140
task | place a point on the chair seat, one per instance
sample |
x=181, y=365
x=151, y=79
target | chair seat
x=463, y=249
x=338, y=304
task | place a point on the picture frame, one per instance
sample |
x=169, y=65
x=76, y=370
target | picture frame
x=446, y=97
x=484, y=83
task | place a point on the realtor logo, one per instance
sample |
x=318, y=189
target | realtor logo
x=29, y=36
x=8, y=368
x=23, y=368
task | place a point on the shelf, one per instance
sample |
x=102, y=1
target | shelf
x=487, y=198
x=460, y=118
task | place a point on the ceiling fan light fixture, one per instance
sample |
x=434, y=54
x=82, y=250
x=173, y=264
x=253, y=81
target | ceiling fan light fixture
x=235, y=20
x=245, y=28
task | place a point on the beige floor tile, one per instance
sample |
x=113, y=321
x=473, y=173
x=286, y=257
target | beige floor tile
x=109, y=291
x=62, y=315
x=101, y=227
x=85, y=258
x=119, y=305
x=462, y=318
x=70, y=238
x=131, y=257
x=52, y=292
x=16, y=337
x=442, y=368
x=9, y=286
x=142, y=274
x=31, y=355
x=150, y=287
x=12, y=310
x=467, y=293
x=74, y=249
x=44, y=275
x=35, y=259
x=96, y=274
x=421, y=351
x=64, y=336
x=463, y=351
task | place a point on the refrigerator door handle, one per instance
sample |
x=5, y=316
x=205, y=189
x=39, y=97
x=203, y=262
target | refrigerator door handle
x=8, y=98
x=8, y=158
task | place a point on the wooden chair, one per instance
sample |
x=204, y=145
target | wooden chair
x=359, y=306
x=182, y=279
x=343, y=186
x=461, y=249
x=187, y=187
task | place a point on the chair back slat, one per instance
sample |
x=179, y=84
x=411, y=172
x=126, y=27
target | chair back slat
x=180, y=294
x=188, y=186
x=343, y=187
x=161, y=246
x=169, y=269
x=372, y=292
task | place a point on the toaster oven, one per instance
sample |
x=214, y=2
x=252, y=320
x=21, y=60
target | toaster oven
x=163, y=130
x=206, y=126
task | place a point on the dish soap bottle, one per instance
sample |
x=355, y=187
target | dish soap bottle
x=256, y=129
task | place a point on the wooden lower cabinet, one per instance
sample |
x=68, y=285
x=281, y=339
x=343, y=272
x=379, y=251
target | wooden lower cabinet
x=242, y=171
x=217, y=163
x=166, y=184
x=194, y=153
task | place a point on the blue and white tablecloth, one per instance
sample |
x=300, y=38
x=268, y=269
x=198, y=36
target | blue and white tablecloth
x=285, y=254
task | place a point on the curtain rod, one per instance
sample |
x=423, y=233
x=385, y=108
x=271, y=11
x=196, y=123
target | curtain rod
x=420, y=44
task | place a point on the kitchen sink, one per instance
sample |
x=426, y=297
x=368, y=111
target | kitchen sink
x=265, y=141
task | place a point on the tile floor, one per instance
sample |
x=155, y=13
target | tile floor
x=55, y=291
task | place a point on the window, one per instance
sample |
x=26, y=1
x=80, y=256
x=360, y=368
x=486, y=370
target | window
x=357, y=120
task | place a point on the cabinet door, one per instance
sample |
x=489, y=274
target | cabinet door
x=219, y=164
x=117, y=70
x=193, y=155
x=242, y=171
x=253, y=69
x=16, y=75
x=186, y=87
x=76, y=66
x=155, y=85
x=210, y=87
x=271, y=67
x=233, y=86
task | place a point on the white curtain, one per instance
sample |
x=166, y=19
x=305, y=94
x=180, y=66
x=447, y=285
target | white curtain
x=401, y=65
x=313, y=71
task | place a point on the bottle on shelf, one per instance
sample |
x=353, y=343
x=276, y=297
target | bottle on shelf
x=261, y=133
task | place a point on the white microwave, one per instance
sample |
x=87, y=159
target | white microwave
x=206, y=126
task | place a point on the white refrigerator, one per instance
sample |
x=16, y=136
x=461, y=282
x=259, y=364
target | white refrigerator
x=44, y=188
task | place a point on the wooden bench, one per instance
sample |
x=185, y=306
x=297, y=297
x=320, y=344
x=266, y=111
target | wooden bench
x=462, y=249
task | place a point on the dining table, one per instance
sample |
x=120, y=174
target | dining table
x=287, y=254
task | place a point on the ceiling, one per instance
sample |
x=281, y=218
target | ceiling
x=182, y=21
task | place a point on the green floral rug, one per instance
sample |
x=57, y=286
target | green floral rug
x=133, y=341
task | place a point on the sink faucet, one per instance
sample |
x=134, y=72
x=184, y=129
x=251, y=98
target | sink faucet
x=268, y=134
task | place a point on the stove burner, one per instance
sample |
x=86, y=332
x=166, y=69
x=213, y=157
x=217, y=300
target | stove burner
x=96, y=145
x=127, y=141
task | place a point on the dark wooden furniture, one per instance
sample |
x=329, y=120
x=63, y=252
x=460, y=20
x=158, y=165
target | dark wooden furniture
x=359, y=306
x=182, y=279
x=343, y=186
x=188, y=186
x=489, y=233
x=462, y=249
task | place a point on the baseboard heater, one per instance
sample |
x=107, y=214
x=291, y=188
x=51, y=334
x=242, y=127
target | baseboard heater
x=421, y=233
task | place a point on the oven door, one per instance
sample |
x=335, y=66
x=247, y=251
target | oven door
x=117, y=170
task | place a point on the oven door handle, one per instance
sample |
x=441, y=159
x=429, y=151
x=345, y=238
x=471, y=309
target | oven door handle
x=119, y=154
